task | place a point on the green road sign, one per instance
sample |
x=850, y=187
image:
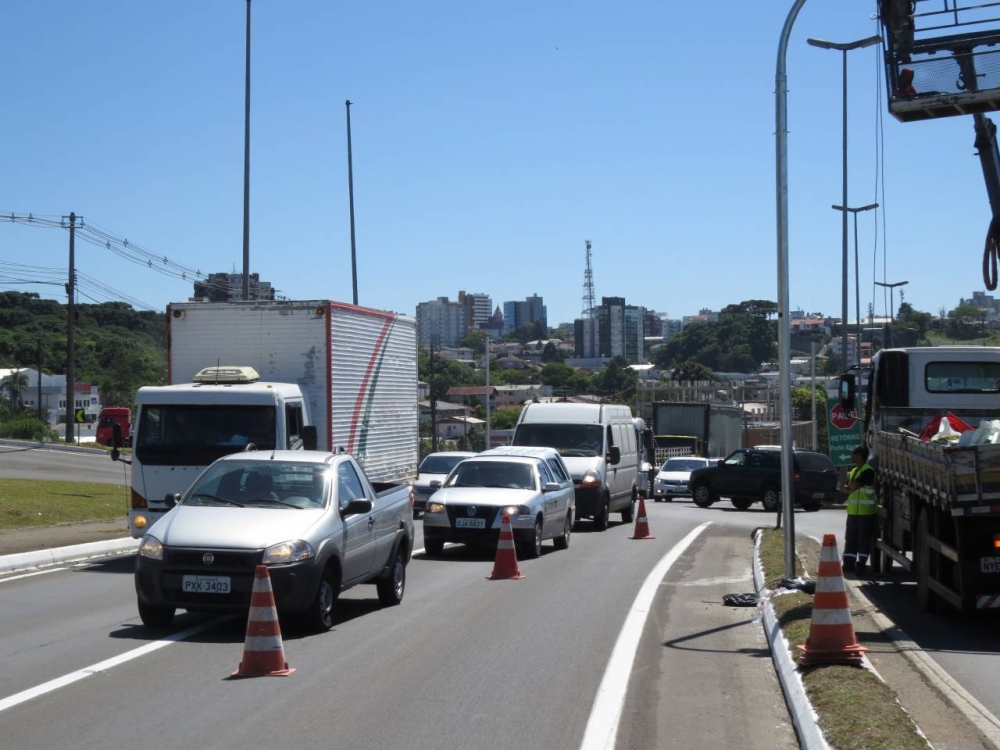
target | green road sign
x=78, y=416
x=844, y=431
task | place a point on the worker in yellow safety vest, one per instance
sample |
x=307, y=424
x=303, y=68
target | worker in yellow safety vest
x=862, y=513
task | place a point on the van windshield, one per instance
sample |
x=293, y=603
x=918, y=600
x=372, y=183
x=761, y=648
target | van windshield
x=571, y=440
x=181, y=435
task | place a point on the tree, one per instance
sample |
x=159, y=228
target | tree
x=477, y=341
x=551, y=353
x=616, y=381
x=17, y=384
x=834, y=365
x=692, y=372
x=964, y=321
x=504, y=419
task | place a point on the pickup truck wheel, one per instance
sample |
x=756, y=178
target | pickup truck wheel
x=770, y=498
x=319, y=616
x=433, y=547
x=155, y=617
x=629, y=513
x=533, y=548
x=562, y=542
x=741, y=503
x=391, y=589
x=601, y=519
x=812, y=506
x=703, y=495
x=926, y=599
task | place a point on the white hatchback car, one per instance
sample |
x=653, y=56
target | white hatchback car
x=672, y=479
x=434, y=469
x=532, y=485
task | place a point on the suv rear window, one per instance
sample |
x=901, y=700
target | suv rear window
x=809, y=461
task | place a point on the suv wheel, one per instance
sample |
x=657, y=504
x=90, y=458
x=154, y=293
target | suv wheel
x=703, y=495
x=770, y=498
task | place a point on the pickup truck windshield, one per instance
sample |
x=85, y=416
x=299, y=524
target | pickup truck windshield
x=515, y=476
x=275, y=484
x=569, y=439
x=178, y=435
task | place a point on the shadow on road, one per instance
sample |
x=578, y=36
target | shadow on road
x=680, y=643
x=124, y=564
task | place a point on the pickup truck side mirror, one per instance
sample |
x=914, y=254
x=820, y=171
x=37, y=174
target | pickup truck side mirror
x=847, y=391
x=309, y=438
x=435, y=484
x=614, y=455
x=720, y=462
x=356, y=507
x=171, y=499
x=551, y=487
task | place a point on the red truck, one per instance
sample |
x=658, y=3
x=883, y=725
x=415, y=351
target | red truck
x=106, y=421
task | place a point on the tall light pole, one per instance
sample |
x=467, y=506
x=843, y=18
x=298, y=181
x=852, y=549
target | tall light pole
x=784, y=323
x=892, y=305
x=857, y=282
x=246, y=173
x=350, y=193
x=845, y=48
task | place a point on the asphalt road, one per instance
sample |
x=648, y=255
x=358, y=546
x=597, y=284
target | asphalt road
x=25, y=462
x=463, y=663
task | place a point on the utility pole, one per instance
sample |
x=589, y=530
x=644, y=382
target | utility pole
x=246, y=174
x=39, y=379
x=812, y=372
x=489, y=430
x=892, y=308
x=434, y=426
x=350, y=192
x=70, y=324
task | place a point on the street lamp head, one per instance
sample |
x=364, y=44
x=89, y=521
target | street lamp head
x=845, y=46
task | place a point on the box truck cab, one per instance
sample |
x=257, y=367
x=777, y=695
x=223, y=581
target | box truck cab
x=181, y=429
x=598, y=444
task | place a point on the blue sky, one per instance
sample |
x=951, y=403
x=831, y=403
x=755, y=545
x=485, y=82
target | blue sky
x=490, y=140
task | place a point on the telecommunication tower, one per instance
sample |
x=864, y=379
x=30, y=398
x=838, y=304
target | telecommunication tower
x=589, y=303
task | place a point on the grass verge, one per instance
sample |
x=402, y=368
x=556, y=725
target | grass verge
x=28, y=502
x=856, y=709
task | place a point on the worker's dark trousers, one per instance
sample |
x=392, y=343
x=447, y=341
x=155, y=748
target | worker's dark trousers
x=858, y=539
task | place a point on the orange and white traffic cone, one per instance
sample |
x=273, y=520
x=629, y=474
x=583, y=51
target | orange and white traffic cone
x=831, y=633
x=263, y=653
x=641, y=524
x=505, y=565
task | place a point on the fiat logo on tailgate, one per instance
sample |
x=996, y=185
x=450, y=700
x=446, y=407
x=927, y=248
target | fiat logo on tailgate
x=208, y=558
x=471, y=510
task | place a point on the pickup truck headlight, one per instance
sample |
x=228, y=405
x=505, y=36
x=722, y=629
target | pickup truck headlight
x=287, y=552
x=434, y=508
x=150, y=547
x=591, y=479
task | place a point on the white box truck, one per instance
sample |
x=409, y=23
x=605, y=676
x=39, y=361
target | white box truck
x=275, y=375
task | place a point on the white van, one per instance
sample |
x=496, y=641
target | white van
x=598, y=444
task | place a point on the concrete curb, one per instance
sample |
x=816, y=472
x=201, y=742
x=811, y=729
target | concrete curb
x=53, y=446
x=803, y=716
x=29, y=561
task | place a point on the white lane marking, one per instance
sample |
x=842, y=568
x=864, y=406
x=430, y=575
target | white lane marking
x=31, y=575
x=102, y=666
x=602, y=727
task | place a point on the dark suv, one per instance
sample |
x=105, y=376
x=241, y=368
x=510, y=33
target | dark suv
x=747, y=476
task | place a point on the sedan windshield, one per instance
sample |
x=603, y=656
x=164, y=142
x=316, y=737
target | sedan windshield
x=274, y=484
x=438, y=464
x=515, y=476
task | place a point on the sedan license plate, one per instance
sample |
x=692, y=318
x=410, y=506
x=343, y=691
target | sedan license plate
x=206, y=584
x=989, y=564
x=470, y=523
x=818, y=495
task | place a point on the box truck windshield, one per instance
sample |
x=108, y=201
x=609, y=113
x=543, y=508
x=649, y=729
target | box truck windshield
x=571, y=440
x=178, y=435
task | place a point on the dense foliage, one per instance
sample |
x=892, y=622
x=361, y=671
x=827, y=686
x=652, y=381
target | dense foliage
x=117, y=347
x=742, y=339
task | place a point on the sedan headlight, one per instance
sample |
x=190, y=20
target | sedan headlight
x=591, y=479
x=434, y=508
x=515, y=510
x=150, y=547
x=287, y=552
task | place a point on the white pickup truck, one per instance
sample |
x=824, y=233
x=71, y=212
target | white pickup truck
x=312, y=517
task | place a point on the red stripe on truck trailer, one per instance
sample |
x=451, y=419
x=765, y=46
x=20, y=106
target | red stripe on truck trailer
x=363, y=391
